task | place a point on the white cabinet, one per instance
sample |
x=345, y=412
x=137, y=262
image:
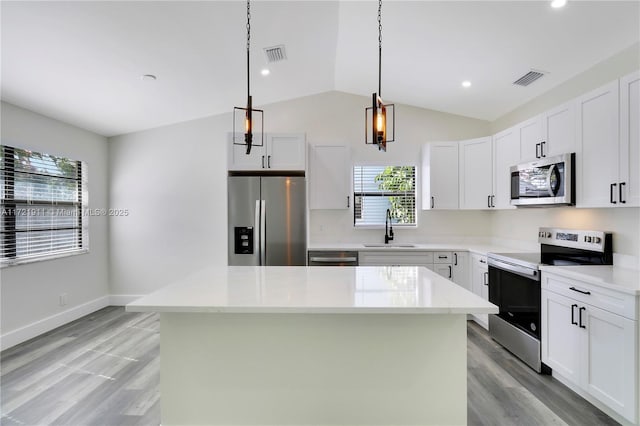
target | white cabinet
x=329, y=177
x=590, y=341
x=529, y=134
x=506, y=153
x=548, y=134
x=480, y=284
x=404, y=258
x=440, y=175
x=443, y=270
x=597, y=163
x=559, y=130
x=280, y=151
x=460, y=274
x=476, y=178
x=629, y=155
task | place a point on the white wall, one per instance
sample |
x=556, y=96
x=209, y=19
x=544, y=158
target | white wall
x=30, y=292
x=173, y=181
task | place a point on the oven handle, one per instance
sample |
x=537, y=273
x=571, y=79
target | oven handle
x=520, y=270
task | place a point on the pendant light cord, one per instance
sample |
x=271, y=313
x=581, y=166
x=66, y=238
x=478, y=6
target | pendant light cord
x=248, y=43
x=380, y=48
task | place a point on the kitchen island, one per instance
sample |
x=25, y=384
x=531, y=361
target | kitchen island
x=313, y=345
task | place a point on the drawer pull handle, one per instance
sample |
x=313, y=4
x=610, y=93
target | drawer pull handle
x=443, y=257
x=573, y=320
x=579, y=291
x=483, y=261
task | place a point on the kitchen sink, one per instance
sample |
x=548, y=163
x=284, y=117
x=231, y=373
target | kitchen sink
x=382, y=245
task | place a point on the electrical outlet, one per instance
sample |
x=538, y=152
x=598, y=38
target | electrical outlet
x=63, y=299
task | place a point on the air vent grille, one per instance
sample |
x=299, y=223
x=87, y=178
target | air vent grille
x=528, y=78
x=275, y=53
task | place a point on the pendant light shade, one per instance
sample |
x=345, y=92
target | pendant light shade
x=248, y=123
x=380, y=118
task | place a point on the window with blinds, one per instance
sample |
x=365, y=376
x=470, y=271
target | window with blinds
x=378, y=188
x=43, y=198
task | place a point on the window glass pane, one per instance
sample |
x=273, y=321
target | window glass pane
x=42, y=201
x=378, y=188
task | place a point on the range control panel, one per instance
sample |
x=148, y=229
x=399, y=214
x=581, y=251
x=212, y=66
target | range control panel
x=588, y=240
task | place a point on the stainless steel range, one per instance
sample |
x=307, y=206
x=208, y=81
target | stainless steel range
x=514, y=286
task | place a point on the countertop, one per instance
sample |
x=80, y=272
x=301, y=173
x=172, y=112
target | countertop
x=612, y=277
x=482, y=249
x=321, y=290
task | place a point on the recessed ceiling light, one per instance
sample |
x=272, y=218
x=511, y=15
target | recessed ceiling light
x=148, y=77
x=265, y=71
x=466, y=83
x=556, y=4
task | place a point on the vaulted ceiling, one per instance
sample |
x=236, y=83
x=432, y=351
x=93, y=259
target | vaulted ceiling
x=81, y=62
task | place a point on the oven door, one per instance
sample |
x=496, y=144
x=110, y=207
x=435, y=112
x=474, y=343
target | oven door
x=516, y=292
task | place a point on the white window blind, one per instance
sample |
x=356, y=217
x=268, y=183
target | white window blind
x=378, y=188
x=43, y=199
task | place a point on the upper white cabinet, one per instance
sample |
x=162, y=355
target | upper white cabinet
x=329, y=177
x=529, y=134
x=280, y=151
x=629, y=155
x=506, y=153
x=597, y=177
x=548, y=134
x=440, y=175
x=476, y=173
x=558, y=130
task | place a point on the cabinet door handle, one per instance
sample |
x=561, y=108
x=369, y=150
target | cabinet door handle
x=493, y=198
x=433, y=202
x=483, y=261
x=450, y=271
x=542, y=154
x=611, y=193
x=579, y=291
x=455, y=259
x=580, y=316
x=489, y=201
x=486, y=278
x=348, y=201
x=268, y=161
x=620, y=192
x=263, y=161
x=573, y=320
x=537, y=150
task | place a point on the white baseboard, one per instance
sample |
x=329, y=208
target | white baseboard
x=34, y=329
x=123, y=299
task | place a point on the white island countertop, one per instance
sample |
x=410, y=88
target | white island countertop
x=300, y=289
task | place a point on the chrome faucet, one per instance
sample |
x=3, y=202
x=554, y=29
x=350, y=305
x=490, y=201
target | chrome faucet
x=388, y=228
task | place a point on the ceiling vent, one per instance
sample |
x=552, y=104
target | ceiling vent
x=275, y=53
x=528, y=78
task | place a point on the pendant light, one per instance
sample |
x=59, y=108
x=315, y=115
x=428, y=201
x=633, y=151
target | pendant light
x=246, y=120
x=380, y=118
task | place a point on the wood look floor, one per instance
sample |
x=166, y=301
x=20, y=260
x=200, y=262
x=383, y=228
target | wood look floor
x=103, y=369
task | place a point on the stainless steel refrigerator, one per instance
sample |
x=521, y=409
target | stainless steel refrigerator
x=267, y=220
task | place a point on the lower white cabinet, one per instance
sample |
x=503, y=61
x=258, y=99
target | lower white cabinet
x=480, y=284
x=460, y=269
x=587, y=345
x=406, y=258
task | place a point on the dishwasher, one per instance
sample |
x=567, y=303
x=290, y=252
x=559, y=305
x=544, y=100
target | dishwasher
x=332, y=258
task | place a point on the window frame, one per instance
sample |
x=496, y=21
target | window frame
x=10, y=206
x=379, y=194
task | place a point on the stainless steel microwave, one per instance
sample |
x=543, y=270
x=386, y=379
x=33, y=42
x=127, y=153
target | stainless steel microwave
x=545, y=182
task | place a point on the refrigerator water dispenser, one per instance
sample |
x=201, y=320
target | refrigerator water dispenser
x=243, y=237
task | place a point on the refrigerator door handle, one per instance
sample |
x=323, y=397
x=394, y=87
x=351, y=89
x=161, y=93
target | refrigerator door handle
x=263, y=232
x=256, y=241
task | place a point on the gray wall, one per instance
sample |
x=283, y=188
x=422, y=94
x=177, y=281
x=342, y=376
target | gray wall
x=30, y=292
